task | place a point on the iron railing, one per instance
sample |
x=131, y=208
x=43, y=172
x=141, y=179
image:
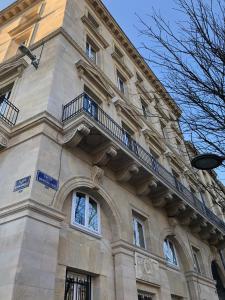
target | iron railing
x=84, y=104
x=8, y=112
x=77, y=287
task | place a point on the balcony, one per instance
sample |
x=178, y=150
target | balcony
x=8, y=112
x=86, y=125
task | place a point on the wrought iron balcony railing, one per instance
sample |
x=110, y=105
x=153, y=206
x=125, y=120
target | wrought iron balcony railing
x=8, y=112
x=83, y=104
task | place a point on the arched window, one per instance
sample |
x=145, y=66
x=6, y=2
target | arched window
x=170, y=252
x=85, y=212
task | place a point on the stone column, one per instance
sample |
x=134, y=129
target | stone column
x=125, y=276
x=29, y=238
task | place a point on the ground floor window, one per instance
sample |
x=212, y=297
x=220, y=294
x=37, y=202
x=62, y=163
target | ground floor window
x=144, y=295
x=77, y=287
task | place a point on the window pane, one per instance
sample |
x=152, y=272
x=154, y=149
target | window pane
x=169, y=252
x=79, y=212
x=141, y=235
x=93, y=215
x=135, y=231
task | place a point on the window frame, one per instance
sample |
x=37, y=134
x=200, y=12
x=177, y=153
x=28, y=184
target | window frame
x=123, y=80
x=91, y=47
x=85, y=227
x=168, y=242
x=136, y=220
x=196, y=253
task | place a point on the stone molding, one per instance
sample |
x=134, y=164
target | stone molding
x=122, y=65
x=87, y=70
x=95, y=32
x=3, y=141
x=31, y=209
x=12, y=67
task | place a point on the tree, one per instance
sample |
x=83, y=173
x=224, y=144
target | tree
x=193, y=60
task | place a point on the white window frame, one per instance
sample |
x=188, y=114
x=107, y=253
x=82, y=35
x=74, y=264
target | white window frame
x=89, y=49
x=137, y=220
x=86, y=216
x=167, y=240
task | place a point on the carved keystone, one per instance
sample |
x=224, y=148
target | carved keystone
x=126, y=173
x=74, y=136
x=97, y=175
x=104, y=154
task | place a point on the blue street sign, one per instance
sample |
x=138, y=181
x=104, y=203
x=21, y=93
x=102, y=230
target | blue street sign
x=22, y=183
x=47, y=180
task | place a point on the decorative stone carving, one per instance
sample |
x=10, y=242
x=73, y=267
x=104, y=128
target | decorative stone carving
x=74, y=136
x=187, y=216
x=97, y=175
x=3, y=141
x=146, y=187
x=174, y=208
x=104, y=154
x=162, y=199
x=147, y=269
x=126, y=173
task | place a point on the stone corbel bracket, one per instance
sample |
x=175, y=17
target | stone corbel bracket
x=104, y=154
x=75, y=135
x=163, y=199
x=146, y=187
x=126, y=173
x=3, y=141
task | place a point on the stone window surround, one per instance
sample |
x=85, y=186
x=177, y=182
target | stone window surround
x=136, y=219
x=84, y=228
x=197, y=258
x=90, y=48
x=169, y=242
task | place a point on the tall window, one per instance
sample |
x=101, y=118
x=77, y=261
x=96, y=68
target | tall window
x=164, y=130
x=91, y=51
x=85, y=212
x=170, y=252
x=78, y=286
x=145, y=109
x=197, y=259
x=121, y=83
x=138, y=232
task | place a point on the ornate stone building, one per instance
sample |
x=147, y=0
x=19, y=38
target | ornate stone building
x=98, y=200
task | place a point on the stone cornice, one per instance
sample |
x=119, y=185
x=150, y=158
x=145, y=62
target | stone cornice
x=15, y=9
x=191, y=275
x=95, y=32
x=12, y=67
x=33, y=209
x=123, y=40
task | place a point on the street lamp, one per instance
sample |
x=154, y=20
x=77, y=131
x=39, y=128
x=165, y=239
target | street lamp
x=207, y=161
x=26, y=51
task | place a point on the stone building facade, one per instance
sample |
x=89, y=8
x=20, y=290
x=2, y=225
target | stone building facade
x=97, y=196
